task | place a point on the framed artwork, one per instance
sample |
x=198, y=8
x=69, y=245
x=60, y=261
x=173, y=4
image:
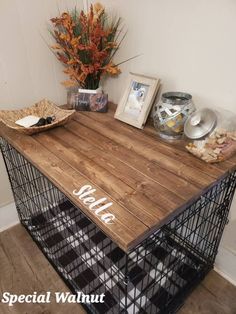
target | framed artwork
x=137, y=100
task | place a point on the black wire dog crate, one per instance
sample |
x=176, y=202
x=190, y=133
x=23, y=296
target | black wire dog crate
x=155, y=277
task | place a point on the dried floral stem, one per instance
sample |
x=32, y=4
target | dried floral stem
x=86, y=44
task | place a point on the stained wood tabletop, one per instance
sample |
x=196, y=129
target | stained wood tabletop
x=147, y=180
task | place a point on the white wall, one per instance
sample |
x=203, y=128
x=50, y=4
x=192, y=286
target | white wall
x=189, y=44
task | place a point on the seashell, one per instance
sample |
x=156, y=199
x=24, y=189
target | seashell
x=221, y=140
x=217, y=151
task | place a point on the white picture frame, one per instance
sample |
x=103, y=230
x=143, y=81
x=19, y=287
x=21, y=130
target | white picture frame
x=136, y=102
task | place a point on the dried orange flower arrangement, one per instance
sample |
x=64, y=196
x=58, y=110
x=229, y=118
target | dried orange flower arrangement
x=86, y=45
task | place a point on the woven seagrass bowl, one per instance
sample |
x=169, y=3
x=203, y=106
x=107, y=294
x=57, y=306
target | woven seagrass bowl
x=43, y=108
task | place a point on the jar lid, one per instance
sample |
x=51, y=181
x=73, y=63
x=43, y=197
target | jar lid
x=176, y=98
x=200, y=123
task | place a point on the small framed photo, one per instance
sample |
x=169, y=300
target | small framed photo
x=137, y=100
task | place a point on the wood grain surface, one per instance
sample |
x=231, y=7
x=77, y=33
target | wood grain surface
x=148, y=180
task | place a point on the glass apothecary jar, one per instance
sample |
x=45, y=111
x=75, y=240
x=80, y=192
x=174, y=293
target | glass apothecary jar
x=211, y=134
x=170, y=114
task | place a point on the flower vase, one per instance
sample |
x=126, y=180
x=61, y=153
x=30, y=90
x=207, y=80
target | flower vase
x=83, y=99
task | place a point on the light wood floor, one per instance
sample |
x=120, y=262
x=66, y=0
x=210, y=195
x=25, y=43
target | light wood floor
x=24, y=269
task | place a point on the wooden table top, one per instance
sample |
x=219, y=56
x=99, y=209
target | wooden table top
x=147, y=180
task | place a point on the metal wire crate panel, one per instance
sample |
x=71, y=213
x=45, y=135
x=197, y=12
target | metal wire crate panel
x=152, y=278
x=32, y=192
x=201, y=225
x=91, y=262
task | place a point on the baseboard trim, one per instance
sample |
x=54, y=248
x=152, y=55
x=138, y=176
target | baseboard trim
x=225, y=264
x=224, y=275
x=8, y=216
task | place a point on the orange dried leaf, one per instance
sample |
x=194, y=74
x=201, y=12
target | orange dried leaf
x=98, y=7
x=71, y=62
x=56, y=47
x=112, y=69
x=69, y=83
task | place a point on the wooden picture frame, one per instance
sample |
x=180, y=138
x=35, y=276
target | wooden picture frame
x=137, y=100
